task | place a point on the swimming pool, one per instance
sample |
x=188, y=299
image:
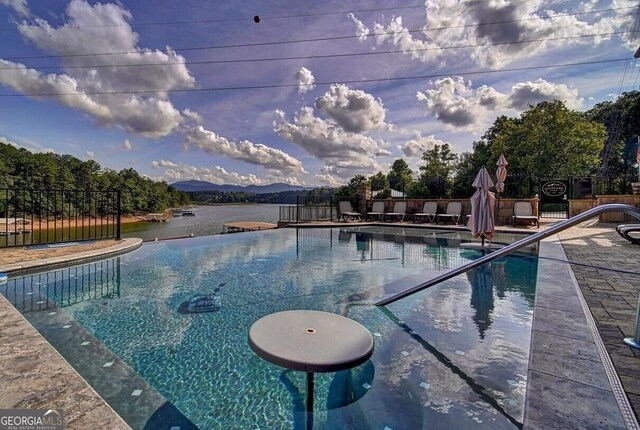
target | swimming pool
x=452, y=356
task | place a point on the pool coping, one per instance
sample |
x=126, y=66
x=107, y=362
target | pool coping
x=25, y=267
x=53, y=375
x=571, y=381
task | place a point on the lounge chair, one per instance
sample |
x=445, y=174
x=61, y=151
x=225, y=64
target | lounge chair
x=429, y=212
x=347, y=213
x=625, y=231
x=399, y=209
x=524, y=211
x=377, y=211
x=453, y=212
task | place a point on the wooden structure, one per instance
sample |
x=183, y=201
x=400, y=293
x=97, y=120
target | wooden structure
x=240, y=226
x=157, y=217
x=14, y=226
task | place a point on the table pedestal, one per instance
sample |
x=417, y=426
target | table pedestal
x=310, y=384
x=311, y=341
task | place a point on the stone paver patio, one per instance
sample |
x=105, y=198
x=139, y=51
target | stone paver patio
x=612, y=295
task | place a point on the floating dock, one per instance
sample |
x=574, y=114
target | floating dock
x=240, y=226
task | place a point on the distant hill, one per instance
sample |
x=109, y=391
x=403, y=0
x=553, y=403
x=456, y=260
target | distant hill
x=191, y=186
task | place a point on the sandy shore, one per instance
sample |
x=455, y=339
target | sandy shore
x=72, y=223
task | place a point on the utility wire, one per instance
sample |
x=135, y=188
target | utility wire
x=359, y=81
x=262, y=18
x=250, y=18
x=307, y=57
x=318, y=39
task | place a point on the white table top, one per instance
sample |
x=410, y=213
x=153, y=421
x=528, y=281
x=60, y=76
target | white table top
x=311, y=341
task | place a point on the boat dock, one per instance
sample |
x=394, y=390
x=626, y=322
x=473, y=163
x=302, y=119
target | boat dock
x=240, y=226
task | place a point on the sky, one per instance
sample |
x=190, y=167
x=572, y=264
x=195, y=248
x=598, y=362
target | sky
x=312, y=94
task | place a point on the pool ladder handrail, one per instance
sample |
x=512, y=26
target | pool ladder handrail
x=612, y=207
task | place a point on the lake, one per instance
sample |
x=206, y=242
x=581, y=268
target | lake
x=208, y=220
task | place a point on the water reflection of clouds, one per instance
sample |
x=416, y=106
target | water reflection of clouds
x=262, y=273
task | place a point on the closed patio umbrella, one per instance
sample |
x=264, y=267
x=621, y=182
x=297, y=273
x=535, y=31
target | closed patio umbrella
x=501, y=173
x=482, y=219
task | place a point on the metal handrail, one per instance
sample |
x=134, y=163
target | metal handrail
x=613, y=207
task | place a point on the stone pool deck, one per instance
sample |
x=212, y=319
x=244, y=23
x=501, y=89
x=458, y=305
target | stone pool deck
x=37, y=376
x=612, y=295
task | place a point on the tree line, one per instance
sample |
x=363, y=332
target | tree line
x=547, y=140
x=22, y=169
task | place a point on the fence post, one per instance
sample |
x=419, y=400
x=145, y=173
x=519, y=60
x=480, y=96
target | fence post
x=119, y=209
x=331, y=208
x=297, y=208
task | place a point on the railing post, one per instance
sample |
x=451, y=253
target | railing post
x=634, y=341
x=119, y=210
x=297, y=208
x=331, y=208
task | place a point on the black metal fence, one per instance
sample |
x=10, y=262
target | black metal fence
x=36, y=217
x=64, y=287
x=309, y=209
x=517, y=185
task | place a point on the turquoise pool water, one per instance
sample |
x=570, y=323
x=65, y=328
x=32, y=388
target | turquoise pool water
x=452, y=356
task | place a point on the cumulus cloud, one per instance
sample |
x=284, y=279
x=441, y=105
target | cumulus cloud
x=149, y=116
x=455, y=102
x=127, y=145
x=468, y=23
x=362, y=31
x=418, y=146
x=531, y=93
x=244, y=150
x=346, y=151
x=215, y=175
x=305, y=80
x=20, y=6
x=353, y=110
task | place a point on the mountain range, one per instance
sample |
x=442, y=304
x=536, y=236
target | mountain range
x=192, y=186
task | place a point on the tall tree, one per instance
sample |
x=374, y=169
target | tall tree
x=547, y=140
x=437, y=170
x=622, y=120
x=379, y=181
x=400, y=175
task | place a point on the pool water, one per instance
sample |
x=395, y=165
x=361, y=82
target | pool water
x=452, y=356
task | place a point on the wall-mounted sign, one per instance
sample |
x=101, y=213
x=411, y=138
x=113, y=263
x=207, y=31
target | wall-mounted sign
x=582, y=188
x=554, y=191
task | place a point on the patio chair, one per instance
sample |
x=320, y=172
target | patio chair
x=625, y=231
x=429, y=212
x=377, y=211
x=453, y=212
x=399, y=210
x=524, y=211
x=347, y=213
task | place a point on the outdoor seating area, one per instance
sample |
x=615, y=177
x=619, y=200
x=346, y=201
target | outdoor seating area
x=429, y=212
x=522, y=211
x=453, y=213
x=625, y=231
x=347, y=213
x=437, y=211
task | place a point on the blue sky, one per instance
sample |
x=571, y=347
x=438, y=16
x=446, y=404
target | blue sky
x=323, y=119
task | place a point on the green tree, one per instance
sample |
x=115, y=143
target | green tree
x=547, y=140
x=622, y=121
x=400, y=175
x=379, y=181
x=437, y=169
